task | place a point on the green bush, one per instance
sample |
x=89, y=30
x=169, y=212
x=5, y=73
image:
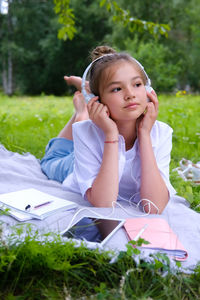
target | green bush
x=156, y=58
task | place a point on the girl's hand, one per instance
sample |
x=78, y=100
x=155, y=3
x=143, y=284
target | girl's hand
x=99, y=114
x=146, y=121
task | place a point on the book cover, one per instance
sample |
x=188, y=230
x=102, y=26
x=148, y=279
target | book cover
x=158, y=233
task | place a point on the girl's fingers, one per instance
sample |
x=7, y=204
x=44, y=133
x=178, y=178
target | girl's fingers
x=152, y=96
x=95, y=109
x=153, y=99
x=92, y=101
x=93, y=105
x=152, y=110
x=98, y=111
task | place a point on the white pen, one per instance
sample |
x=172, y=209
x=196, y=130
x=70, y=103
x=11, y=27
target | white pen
x=140, y=232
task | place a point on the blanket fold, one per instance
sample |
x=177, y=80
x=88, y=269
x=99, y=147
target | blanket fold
x=19, y=172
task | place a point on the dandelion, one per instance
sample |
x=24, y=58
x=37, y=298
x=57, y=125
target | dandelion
x=181, y=93
x=38, y=117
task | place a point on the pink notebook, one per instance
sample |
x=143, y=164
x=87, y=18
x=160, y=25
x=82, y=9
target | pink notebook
x=158, y=232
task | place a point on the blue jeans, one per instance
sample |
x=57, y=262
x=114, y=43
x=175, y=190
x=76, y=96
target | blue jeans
x=57, y=164
x=58, y=161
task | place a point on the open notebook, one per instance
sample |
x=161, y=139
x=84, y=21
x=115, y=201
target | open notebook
x=158, y=233
x=30, y=203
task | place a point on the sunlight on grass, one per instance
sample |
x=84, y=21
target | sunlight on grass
x=28, y=123
x=57, y=270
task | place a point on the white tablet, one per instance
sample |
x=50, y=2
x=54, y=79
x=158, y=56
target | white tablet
x=95, y=230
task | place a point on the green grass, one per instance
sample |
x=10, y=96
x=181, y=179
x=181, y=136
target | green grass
x=30, y=269
x=28, y=123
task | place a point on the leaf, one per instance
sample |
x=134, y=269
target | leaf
x=66, y=18
x=119, y=15
x=102, y=3
x=123, y=16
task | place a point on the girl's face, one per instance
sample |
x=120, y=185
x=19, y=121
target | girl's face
x=123, y=91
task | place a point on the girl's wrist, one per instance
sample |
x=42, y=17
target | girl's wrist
x=143, y=133
x=111, y=137
x=111, y=141
x=144, y=137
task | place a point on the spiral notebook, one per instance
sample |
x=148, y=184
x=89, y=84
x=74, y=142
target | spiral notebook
x=158, y=233
x=31, y=203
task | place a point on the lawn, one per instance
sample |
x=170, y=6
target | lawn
x=27, y=124
x=51, y=270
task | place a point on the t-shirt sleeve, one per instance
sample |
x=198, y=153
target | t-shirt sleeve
x=88, y=155
x=163, y=154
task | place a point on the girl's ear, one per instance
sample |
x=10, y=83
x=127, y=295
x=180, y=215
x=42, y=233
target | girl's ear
x=107, y=111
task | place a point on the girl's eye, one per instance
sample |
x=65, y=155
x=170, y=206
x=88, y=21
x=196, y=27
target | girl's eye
x=117, y=89
x=138, y=84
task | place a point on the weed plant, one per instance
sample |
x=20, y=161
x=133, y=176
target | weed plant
x=51, y=269
x=31, y=268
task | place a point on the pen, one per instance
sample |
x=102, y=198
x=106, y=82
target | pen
x=28, y=207
x=43, y=204
x=140, y=232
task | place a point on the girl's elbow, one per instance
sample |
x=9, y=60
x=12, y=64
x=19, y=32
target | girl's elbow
x=96, y=200
x=152, y=208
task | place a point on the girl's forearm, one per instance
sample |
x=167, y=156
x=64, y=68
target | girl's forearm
x=153, y=186
x=104, y=190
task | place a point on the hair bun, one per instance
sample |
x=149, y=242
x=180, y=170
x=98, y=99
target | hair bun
x=100, y=51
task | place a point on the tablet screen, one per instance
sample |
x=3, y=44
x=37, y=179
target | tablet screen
x=93, y=229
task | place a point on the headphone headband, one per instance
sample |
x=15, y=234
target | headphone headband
x=89, y=96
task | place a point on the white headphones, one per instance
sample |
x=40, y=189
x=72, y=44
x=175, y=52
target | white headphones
x=89, y=96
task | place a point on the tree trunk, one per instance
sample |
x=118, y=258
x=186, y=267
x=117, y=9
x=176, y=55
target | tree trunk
x=10, y=74
x=4, y=77
x=7, y=75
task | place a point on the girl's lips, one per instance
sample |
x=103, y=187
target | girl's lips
x=131, y=105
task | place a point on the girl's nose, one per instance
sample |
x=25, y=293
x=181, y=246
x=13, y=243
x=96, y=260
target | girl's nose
x=129, y=93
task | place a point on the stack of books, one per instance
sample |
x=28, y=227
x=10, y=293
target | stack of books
x=30, y=204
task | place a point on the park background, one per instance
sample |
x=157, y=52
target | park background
x=40, y=42
x=33, y=59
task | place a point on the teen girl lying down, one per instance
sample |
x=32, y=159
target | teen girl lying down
x=113, y=148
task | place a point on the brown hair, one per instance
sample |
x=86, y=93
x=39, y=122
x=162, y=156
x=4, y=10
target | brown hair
x=107, y=56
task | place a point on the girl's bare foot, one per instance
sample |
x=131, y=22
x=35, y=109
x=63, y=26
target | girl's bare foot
x=74, y=80
x=81, y=112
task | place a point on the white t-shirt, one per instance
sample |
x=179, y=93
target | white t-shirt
x=88, y=152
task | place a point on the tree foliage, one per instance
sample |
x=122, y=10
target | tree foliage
x=66, y=18
x=119, y=15
x=123, y=16
x=33, y=59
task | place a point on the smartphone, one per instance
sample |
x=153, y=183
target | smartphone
x=95, y=230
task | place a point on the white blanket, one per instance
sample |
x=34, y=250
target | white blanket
x=23, y=171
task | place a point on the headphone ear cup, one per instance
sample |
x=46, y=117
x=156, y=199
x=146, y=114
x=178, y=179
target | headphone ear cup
x=148, y=88
x=87, y=96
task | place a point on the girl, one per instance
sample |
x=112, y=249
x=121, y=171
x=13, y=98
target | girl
x=117, y=150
